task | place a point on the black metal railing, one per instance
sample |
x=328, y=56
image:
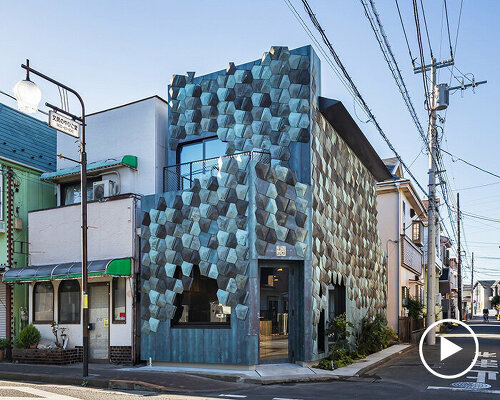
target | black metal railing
x=181, y=176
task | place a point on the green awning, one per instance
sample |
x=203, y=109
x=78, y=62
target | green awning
x=112, y=267
x=97, y=166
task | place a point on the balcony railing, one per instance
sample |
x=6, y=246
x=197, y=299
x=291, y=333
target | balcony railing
x=411, y=255
x=181, y=176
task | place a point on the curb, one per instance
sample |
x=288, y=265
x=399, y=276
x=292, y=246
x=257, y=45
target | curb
x=377, y=364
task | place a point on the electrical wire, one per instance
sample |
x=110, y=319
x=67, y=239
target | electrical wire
x=469, y=163
x=448, y=28
x=426, y=29
x=406, y=37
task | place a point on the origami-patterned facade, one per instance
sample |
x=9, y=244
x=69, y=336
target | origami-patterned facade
x=289, y=188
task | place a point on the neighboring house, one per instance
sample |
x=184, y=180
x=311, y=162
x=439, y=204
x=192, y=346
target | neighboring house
x=267, y=213
x=448, y=282
x=399, y=214
x=467, y=299
x=27, y=149
x=484, y=291
x=126, y=156
x=447, y=278
x=438, y=264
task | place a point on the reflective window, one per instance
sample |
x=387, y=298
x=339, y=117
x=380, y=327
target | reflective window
x=43, y=302
x=199, y=304
x=71, y=193
x=119, y=300
x=69, y=302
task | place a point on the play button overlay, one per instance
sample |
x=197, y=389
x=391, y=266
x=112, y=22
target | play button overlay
x=448, y=348
x=455, y=352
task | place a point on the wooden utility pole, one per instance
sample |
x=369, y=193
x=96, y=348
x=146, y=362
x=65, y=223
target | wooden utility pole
x=459, y=256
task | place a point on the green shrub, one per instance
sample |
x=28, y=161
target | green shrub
x=375, y=335
x=28, y=336
x=415, y=308
x=4, y=344
x=324, y=364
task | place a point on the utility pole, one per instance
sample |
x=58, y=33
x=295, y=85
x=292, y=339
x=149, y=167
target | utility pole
x=438, y=100
x=431, y=214
x=459, y=261
x=472, y=289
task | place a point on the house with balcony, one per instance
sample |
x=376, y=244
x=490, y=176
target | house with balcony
x=484, y=291
x=126, y=148
x=266, y=224
x=438, y=265
x=27, y=150
x=448, y=281
x=400, y=213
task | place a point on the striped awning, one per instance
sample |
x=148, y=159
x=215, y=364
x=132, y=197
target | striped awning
x=111, y=267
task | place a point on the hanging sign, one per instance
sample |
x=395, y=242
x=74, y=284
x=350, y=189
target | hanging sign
x=63, y=124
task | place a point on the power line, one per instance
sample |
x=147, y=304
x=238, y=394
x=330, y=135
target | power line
x=469, y=163
x=478, y=186
x=482, y=217
x=406, y=37
x=448, y=28
x=426, y=29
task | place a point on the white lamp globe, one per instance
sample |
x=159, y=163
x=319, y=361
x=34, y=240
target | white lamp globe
x=28, y=96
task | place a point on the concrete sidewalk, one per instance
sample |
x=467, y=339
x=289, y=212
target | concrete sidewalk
x=171, y=379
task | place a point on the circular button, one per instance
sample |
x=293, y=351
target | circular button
x=448, y=348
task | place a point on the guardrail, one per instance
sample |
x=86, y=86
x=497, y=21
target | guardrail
x=181, y=176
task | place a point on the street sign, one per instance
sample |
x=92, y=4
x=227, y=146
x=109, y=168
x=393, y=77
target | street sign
x=63, y=124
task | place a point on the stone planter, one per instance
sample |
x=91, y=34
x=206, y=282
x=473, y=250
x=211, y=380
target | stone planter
x=47, y=356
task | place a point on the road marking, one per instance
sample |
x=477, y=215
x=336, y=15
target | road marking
x=234, y=396
x=284, y=398
x=36, y=392
x=456, y=389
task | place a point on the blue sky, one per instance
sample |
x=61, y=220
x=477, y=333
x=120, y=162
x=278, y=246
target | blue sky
x=114, y=52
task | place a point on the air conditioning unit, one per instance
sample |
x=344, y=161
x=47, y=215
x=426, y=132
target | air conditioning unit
x=102, y=189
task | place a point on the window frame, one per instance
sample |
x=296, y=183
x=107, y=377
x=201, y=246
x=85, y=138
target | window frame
x=192, y=142
x=113, y=283
x=197, y=325
x=65, y=185
x=59, y=302
x=35, y=321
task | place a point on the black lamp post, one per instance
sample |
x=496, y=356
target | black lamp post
x=28, y=96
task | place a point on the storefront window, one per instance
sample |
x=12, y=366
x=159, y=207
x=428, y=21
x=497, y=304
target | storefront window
x=199, y=305
x=43, y=302
x=119, y=300
x=69, y=302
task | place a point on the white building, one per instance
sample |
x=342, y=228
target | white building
x=126, y=155
x=484, y=291
x=399, y=218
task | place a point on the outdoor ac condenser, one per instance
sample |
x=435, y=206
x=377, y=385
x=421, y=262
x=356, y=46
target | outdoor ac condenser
x=103, y=189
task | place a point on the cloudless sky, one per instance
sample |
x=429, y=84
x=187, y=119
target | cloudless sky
x=114, y=52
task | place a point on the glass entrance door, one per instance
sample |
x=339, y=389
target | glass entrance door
x=274, y=306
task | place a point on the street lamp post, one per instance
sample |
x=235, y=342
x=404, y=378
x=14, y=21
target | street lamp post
x=28, y=96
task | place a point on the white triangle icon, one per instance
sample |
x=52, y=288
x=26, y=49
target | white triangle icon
x=448, y=348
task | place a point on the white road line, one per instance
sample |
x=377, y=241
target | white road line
x=38, y=393
x=234, y=396
x=456, y=389
x=284, y=398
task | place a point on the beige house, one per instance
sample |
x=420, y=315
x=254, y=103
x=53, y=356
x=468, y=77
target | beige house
x=399, y=213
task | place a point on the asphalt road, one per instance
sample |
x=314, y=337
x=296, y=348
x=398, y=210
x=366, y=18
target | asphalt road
x=401, y=378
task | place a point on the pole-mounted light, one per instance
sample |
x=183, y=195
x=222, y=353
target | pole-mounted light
x=28, y=94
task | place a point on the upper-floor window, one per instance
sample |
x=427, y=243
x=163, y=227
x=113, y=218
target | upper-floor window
x=201, y=150
x=71, y=193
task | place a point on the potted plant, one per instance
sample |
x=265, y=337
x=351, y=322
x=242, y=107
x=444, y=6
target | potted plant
x=28, y=338
x=4, y=344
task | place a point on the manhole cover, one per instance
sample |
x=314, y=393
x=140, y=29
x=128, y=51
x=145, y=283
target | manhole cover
x=471, y=385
